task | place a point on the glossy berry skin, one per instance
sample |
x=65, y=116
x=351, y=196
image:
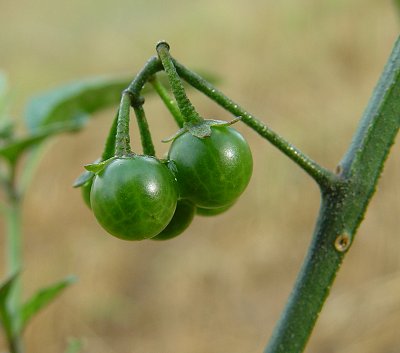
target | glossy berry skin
x=210, y=212
x=134, y=198
x=212, y=172
x=183, y=216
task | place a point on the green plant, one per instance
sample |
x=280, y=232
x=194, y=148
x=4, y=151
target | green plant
x=345, y=193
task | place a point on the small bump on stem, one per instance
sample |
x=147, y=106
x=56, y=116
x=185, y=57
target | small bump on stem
x=343, y=242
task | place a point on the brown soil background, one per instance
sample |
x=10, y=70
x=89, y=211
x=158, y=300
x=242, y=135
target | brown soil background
x=307, y=69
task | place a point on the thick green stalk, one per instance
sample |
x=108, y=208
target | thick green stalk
x=343, y=208
x=185, y=106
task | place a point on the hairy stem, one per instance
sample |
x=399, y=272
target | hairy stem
x=122, y=141
x=185, y=106
x=152, y=66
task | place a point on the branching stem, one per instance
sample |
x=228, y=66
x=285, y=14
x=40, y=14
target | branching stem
x=321, y=175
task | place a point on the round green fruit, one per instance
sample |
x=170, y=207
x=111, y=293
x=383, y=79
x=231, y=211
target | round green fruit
x=210, y=212
x=213, y=171
x=181, y=220
x=134, y=198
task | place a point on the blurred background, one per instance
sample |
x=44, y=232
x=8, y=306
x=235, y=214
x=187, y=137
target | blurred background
x=307, y=68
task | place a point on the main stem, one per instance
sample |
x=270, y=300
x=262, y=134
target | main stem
x=343, y=207
x=14, y=259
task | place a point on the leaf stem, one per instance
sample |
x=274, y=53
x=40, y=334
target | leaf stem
x=109, y=147
x=169, y=102
x=187, y=109
x=147, y=143
x=321, y=175
x=122, y=140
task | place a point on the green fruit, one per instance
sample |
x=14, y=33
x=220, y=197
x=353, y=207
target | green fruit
x=134, y=198
x=209, y=212
x=181, y=220
x=213, y=171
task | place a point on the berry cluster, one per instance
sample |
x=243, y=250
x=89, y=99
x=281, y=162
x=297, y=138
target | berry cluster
x=135, y=197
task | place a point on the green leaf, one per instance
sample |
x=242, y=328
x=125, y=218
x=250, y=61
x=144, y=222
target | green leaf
x=42, y=298
x=73, y=101
x=6, y=318
x=13, y=149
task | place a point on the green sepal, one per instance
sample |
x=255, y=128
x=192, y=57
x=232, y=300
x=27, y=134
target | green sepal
x=42, y=298
x=96, y=168
x=85, y=177
x=82, y=179
x=202, y=129
x=6, y=317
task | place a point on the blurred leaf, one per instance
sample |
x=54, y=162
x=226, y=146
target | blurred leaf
x=5, y=314
x=74, y=345
x=42, y=298
x=6, y=130
x=13, y=149
x=73, y=101
x=77, y=100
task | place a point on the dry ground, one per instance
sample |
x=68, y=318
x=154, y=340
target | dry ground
x=307, y=68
